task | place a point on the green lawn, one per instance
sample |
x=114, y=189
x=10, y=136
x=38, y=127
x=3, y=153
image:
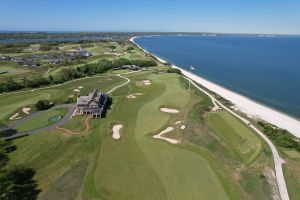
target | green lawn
x=137, y=166
x=246, y=144
x=292, y=153
x=100, y=50
x=42, y=120
x=12, y=68
x=76, y=124
x=291, y=172
x=9, y=103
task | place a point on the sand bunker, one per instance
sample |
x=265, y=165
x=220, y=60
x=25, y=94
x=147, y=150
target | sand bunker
x=26, y=110
x=146, y=82
x=167, y=130
x=15, y=117
x=133, y=96
x=76, y=90
x=80, y=87
x=182, y=127
x=116, y=132
x=71, y=96
x=178, y=122
x=169, y=110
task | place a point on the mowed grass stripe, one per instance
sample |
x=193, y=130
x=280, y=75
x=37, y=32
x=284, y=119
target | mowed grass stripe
x=184, y=174
x=244, y=141
x=122, y=171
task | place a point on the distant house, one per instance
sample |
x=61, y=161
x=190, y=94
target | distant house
x=20, y=61
x=93, y=104
x=70, y=56
x=4, y=58
x=131, y=67
x=84, y=53
x=30, y=63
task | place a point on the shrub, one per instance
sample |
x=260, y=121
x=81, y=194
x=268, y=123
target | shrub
x=281, y=137
x=174, y=70
x=43, y=105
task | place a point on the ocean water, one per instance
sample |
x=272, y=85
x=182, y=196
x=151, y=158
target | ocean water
x=265, y=69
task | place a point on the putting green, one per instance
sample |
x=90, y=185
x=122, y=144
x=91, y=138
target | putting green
x=241, y=138
x=184, y=174
x=137, y=166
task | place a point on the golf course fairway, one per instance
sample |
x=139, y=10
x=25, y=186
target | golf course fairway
x=137, y=166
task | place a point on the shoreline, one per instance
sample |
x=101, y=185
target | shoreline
x=243, y=104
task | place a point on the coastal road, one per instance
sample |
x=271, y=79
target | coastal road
x=278, y=161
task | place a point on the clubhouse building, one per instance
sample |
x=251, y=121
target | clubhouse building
x=94, y=104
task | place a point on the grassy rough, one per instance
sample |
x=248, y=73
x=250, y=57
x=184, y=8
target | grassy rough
x=244, y=141
x=42, y=120
x=137, y=166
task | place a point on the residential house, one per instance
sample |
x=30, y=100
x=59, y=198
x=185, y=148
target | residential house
x=94, y=104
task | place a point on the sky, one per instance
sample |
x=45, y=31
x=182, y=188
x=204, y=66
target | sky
x=222, y=16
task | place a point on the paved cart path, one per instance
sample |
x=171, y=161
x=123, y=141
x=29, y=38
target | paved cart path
x=278, y=161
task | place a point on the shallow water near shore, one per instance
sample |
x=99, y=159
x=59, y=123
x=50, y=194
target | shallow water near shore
x=265, y=69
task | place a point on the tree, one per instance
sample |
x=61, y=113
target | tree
x=121, y=61
x=50, y=78
x=130, y=49
x=11, y=85
x=45, y=47
x=43, y=105
x=112, y=47
x=5, y=148
x=174, y=70
x=18, y=183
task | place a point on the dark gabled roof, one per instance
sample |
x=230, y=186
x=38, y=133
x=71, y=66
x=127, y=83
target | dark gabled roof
x=93, y=96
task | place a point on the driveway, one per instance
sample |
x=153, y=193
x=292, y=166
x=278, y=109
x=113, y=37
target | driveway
x=71, y=109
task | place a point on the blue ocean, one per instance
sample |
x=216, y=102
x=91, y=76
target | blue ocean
x=265, y=69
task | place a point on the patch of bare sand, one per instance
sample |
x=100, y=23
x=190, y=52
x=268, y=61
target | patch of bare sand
x=170, y=140
x=169, y=110
x=133, y=96
x=15, y=117
x=116, y=131
x=26, y=110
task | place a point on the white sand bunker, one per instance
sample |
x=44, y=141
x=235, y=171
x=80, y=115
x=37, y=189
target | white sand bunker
x=80, y=87
x=26, y=110
x=76, y=90
x=133, y=96
x=146, y=82
x=170, y=140
x=71, y=96
x=178, y=122
x=116, y=132
x=169, y=110
x=182, y=127
x=15, y=117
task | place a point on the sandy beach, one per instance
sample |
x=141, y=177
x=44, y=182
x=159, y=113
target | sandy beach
x=244, y=104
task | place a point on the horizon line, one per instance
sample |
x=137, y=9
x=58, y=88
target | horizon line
x=175, y=32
